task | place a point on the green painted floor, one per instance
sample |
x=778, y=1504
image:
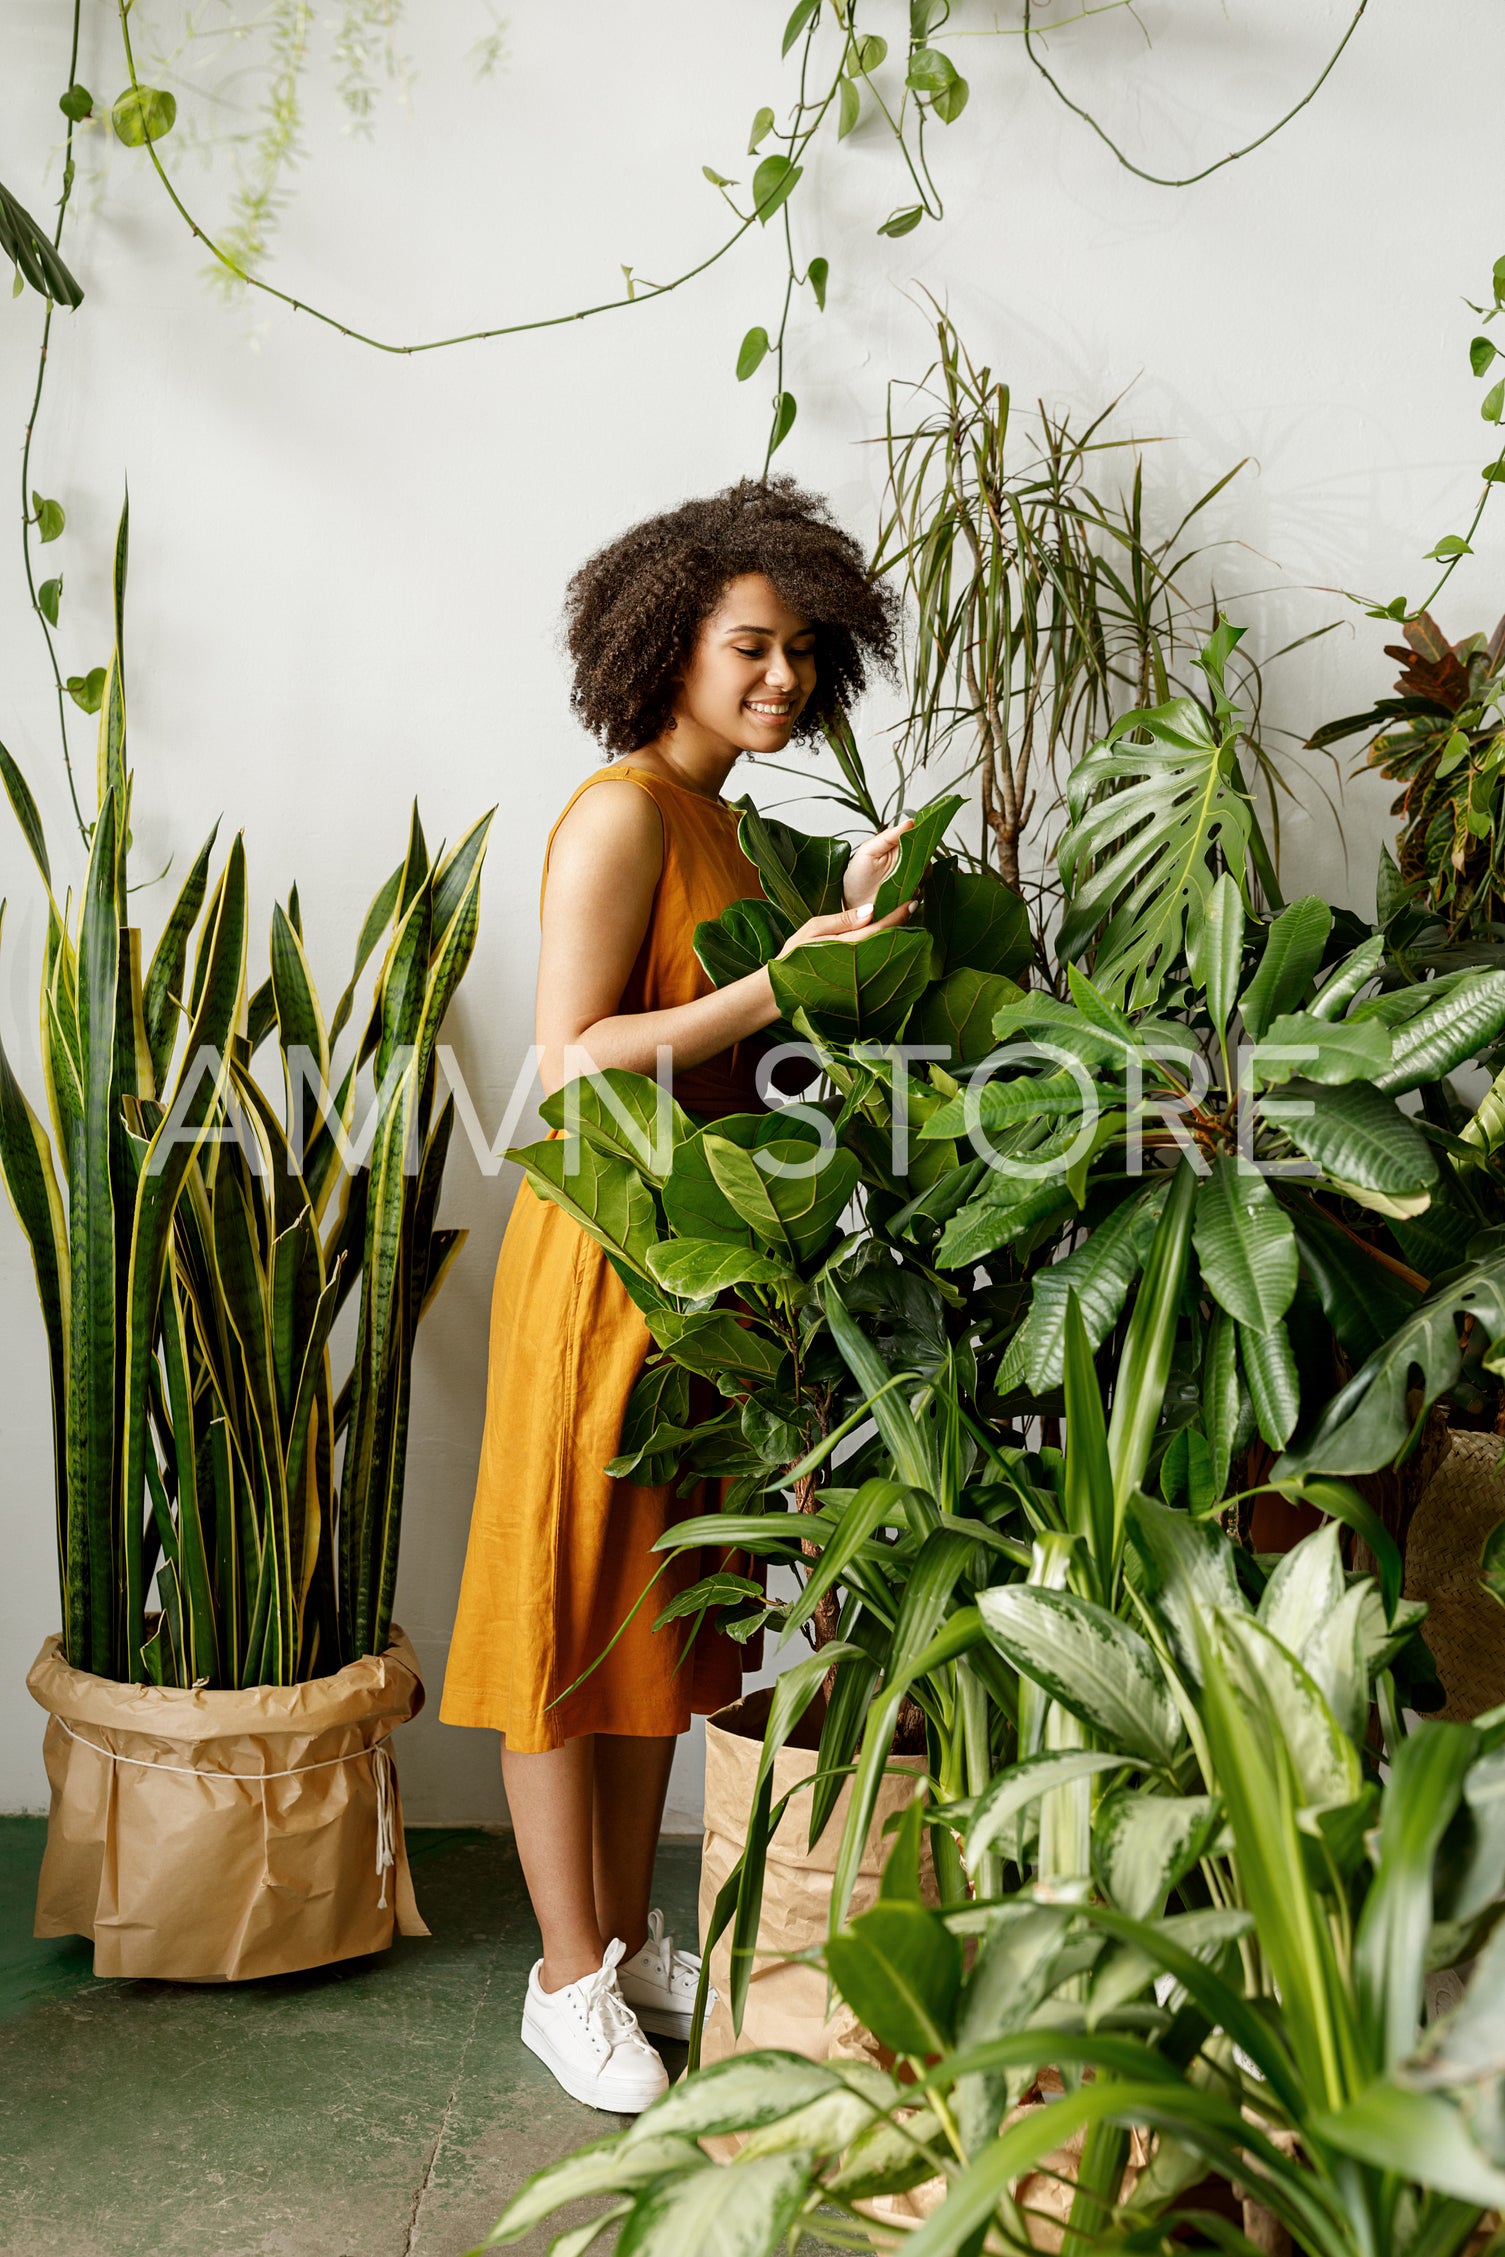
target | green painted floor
x=386, y=2109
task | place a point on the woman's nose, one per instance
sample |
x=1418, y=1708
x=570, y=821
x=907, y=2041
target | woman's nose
x=779, y=673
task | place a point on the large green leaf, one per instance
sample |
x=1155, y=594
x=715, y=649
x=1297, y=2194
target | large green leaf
x=608, y=2166
x=1099, y=1273
x=854, y=990
x=802, y=875
x=1324, y=1760
x=915, y=850
x=622, y=1114
x=604, y=1194
x=741, y=2209
x=1347, y=1050
x=1142, y=1844
x=1369, y=1421
x=1445, y=1033
x=960, y=1010
x=695, y=1268
x=1245, y=1245
x=738, y=2094
x=1149, y=807
x=980, y=922
x=1357, y=1137
x=1418, y=2135
x=746, y=936
x=1188, y=1575
x=900, y=1968
x=1269, y=1366
x=1292, y=953
x=1390, y=1941
x=1087, y=1660
x=994, y=1818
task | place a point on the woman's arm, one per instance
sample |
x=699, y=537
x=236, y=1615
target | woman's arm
x=607, y=858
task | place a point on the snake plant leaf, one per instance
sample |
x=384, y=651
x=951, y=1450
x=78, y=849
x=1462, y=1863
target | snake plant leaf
x=1218, y=952
x=959, y=1012
x=899, y=1968
x=626, y=1115
x=1089, y=1662
x=916, y=847
x=32, y=1188
x=375, y=922
x=31, y=251
x=92, y=1472
x=1357, y=1137
x=1292, y=955
x=404, y=979
x=1371, y=1419
x=1446, y=1034
x=1245, y=1244
x=746, y=936
x=858, y=990
x=1143, y=1844
x=111, y=754
x=1145, y=818
x=1420, y=2136
x=695, y=1269
x=459, y=872
x=801, y=875
x=300, y=1022
x=1346, y=1050
x=162, y=992
x=24, y=808
x=979, y=923
x=186, y=1118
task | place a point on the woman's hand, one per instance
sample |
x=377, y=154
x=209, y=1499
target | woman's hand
x=847, y=924
x=871, y=863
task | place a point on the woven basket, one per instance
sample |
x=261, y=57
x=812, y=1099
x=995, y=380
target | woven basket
x=1465, y=1627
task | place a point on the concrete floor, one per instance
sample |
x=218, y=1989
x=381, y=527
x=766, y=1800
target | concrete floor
x=384, y=2109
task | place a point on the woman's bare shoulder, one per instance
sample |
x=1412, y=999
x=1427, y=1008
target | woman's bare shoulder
x=609, y=821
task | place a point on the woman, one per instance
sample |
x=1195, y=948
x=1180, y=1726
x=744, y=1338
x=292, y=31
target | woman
x=726, y=626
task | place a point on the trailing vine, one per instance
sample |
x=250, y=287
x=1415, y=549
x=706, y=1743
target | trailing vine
x=847, y=73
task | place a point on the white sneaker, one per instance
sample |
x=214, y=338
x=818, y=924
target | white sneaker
x=589, y=2037
x=659, y=1983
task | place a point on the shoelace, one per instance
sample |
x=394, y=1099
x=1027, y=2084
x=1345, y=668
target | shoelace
x=673, y=1966
x=606, y=2011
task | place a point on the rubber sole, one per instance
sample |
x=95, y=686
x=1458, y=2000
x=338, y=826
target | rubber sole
x=589, y=2091
x=664, y=2021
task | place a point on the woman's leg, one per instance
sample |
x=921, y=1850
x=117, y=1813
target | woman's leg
x=549, y=1799
x=631, y=1781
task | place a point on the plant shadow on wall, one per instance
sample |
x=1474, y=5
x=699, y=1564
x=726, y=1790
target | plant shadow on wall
x=1192, y=1846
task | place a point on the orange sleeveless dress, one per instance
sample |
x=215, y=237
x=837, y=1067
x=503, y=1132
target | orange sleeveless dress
x=558, y=1551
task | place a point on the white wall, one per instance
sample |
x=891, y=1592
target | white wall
x=346, y=568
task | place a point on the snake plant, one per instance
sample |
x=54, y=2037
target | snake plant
x=191, y=1258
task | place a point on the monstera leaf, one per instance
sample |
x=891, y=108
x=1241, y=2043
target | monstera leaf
x=1148, y=806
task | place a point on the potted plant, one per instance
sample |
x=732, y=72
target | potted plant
x=224, y=1804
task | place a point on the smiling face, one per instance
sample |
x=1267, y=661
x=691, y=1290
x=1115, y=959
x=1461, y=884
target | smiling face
x=752, y=670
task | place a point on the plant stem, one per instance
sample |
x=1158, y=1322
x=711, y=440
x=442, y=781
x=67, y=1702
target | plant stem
x=31, y=424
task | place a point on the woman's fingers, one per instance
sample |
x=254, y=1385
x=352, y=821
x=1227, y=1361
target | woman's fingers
x=845, y=924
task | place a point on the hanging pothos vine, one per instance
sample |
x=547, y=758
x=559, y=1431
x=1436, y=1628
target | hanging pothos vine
x=907, y=85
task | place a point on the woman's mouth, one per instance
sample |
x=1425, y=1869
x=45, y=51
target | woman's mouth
x=770, y=709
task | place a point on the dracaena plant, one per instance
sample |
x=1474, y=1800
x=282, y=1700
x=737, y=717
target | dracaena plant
x=187, y=1272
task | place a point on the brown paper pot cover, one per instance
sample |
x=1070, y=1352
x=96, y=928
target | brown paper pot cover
x=786, y=2006
x=1465, y=1627
x=171, y=1846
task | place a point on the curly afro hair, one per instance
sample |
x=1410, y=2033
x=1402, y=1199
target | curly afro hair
x=633, y=612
